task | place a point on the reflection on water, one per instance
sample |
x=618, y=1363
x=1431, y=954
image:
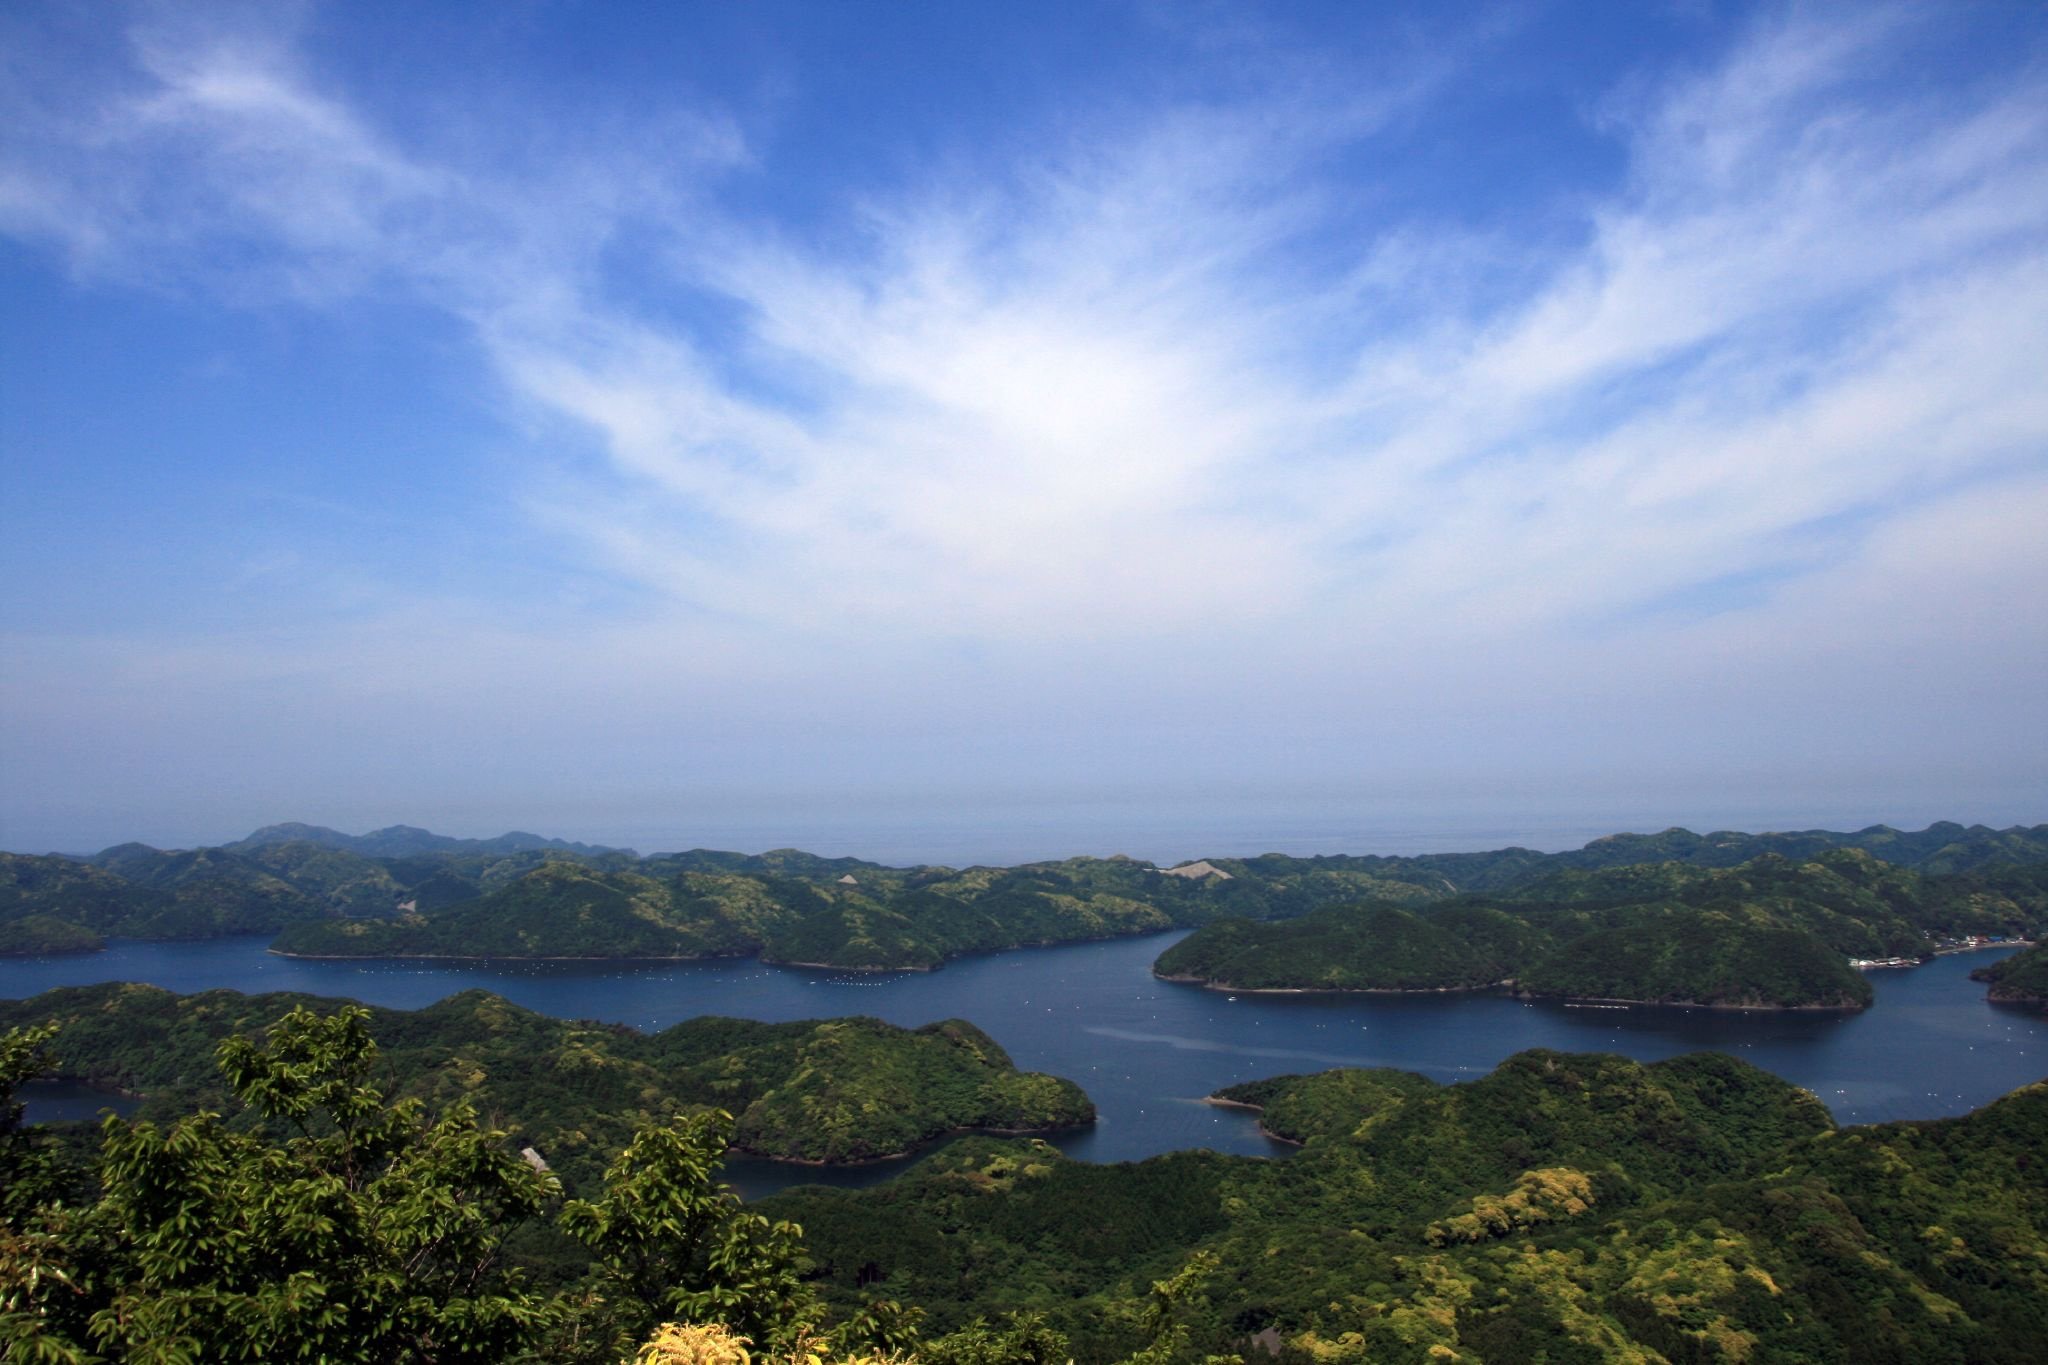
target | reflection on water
x=1143, y=1048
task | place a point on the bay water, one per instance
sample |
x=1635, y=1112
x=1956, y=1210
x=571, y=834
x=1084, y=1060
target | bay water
x=1148, y=1051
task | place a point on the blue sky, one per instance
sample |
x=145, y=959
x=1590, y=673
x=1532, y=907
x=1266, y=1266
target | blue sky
x=977, y=431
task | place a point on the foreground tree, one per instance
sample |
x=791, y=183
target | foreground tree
x=669, y=1242
x=349, y=1229
x=41, y=1302
x=327, y=1223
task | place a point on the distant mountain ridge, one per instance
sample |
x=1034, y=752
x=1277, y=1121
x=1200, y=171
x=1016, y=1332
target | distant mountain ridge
x=400, y=841
x=1943, y=846
x=403, y=891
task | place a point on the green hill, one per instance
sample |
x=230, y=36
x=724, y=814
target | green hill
x=171, y=896
x=1699, y=957
x=64, y=891
x=2021, y=979
x=1359, y=948
x=560, y=909
x=39, y=934
x=404, y=891
x=831, y=1091
x=1771, y=932
x=1563, y=1208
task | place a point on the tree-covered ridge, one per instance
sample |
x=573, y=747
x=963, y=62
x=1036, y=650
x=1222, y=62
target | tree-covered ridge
x=398, y=841
x=2021, y=979
x=1699, y=957
x=792, y=909
x=1858, y=904
x=38, y=935
x=132, y=890
x=325, y=1222
x=1564, y=1208
x=1357, y=948
x=216, y=896
x=836, y=1090
x=1767, y=933
x=406, y=892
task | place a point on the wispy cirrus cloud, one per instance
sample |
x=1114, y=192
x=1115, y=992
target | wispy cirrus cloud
x=1803, y=305
x=1186, y=374
x=1065, y=399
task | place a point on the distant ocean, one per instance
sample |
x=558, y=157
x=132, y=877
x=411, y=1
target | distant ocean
x=1007, y=828
x=1005, y=834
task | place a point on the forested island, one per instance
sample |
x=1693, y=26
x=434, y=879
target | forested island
x=2021, y=979
x=1566, y=1207
x=1772, y=932
x=1724, y=920
x=485, y=1183
x=828, y=1091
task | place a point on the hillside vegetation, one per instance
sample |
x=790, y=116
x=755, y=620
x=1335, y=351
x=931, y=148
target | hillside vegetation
x=1564, y=1208
x=2021, y=979
x=1771, y=932
x=832, y=1091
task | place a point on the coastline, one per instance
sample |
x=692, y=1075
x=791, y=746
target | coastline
x=560, y=957
x=1507, y=987
x=2025, y=1000
x=1264, y=1131
x=1691, y=1004
x=1980, y=947
x=1208, y=985
x=757, y=955
x=492, y=957
x=836, y=967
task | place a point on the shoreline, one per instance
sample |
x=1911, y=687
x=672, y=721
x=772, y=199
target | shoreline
x=1208, y=985
x=835, y=967
x=572, y=957
x=756, y=955
x=558, y=957
x=1624, y=1002
x=487, y=957
x=1980, y=947
x=1507, y=987
x=1264, y=1131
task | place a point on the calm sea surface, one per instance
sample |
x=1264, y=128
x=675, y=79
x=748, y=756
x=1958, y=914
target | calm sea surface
x=1148, y=1050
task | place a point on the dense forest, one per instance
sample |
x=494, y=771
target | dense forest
x=2021, y=979
x=1564, y=1208
x=404, y=892
x=1770, y=932
x=475, y=1182
x=836, y=1090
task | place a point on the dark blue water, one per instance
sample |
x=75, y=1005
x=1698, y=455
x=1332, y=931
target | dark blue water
x=1148, y=1050
x=71, y=1102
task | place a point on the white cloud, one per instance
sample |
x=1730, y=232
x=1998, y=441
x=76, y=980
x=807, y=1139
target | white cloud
x=1054, y=417
x=1057, y=411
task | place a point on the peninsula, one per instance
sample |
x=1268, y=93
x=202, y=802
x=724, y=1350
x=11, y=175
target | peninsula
x=823, y=1092
x=1770, y=933
x=1727, y=919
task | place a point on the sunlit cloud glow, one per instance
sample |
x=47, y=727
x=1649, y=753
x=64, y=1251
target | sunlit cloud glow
x=1189, y=402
